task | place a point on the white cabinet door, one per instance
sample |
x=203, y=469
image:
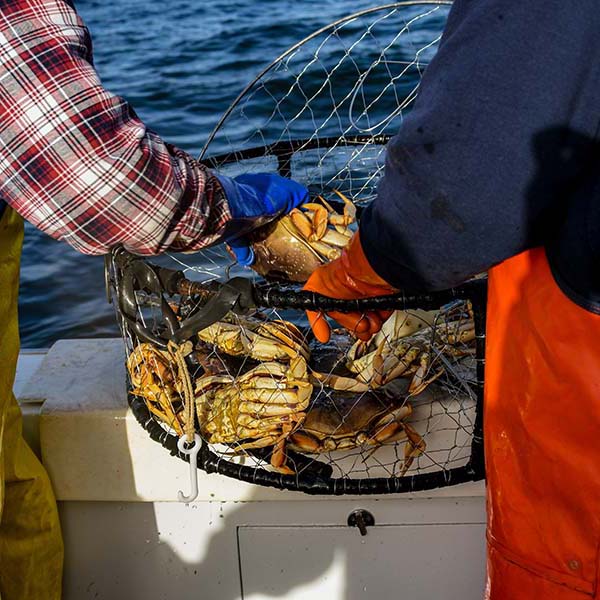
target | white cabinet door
x=400, y=562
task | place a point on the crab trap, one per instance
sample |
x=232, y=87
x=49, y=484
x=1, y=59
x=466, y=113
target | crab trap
x=222, y=356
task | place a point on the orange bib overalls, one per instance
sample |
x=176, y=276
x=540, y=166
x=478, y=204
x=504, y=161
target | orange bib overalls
x=542, y=437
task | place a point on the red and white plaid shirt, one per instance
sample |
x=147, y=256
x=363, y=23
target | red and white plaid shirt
x=76, y=161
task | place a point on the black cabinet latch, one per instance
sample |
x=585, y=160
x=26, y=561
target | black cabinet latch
x=362, y=519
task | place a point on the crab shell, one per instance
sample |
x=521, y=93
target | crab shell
x=281, y=253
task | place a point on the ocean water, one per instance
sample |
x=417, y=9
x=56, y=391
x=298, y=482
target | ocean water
x=180, y=64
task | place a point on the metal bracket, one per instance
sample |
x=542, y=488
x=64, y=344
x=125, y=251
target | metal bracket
x=137, y=276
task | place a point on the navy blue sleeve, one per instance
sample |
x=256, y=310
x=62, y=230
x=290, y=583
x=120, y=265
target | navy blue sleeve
x=479, y=168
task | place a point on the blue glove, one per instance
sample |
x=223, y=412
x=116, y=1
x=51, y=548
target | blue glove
x=254, y=199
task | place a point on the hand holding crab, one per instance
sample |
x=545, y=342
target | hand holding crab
x=349, y=277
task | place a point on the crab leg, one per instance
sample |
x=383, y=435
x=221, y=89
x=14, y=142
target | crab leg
x=307, y=442
x=460, y=334
x=419, y=383
x=403, y=364
x=339, y=382
x=262, y=442
x=166, y=415
x=413, y=448
x=278, y=340
x=267, y=397
x=313, y=224
x=389, y=428
x=335, y=238
x=349, y=212
x=257, y=408
x=249, y=427
x=326, y=251
x=319, y=221
x=279, y=457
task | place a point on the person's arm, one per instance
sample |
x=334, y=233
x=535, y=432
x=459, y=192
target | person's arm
x=469, y=180
x=77, y=162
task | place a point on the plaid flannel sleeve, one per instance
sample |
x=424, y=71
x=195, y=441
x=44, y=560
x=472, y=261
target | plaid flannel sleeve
x=76, y=161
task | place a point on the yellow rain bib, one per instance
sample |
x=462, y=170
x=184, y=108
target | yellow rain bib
x=31, y=549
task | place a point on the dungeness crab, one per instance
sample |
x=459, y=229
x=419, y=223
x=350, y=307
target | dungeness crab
x=406, y=346
x=400, y=349
x=339, y=421
x=260, y=408
x=155, y=378
x=292, y=247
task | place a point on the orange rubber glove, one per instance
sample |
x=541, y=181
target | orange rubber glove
x=349, y=277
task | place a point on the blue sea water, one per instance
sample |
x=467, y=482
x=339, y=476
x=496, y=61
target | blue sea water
x=180, y=64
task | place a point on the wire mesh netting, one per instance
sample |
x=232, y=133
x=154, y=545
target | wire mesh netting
x=323, y=110
x=233, y=360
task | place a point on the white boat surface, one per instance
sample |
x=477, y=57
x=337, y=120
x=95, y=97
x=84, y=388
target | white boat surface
x=127, y=536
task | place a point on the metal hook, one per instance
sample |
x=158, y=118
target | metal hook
x=192, y=451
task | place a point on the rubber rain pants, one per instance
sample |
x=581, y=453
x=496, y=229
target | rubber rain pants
x=31, y=549
x=542, y=437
